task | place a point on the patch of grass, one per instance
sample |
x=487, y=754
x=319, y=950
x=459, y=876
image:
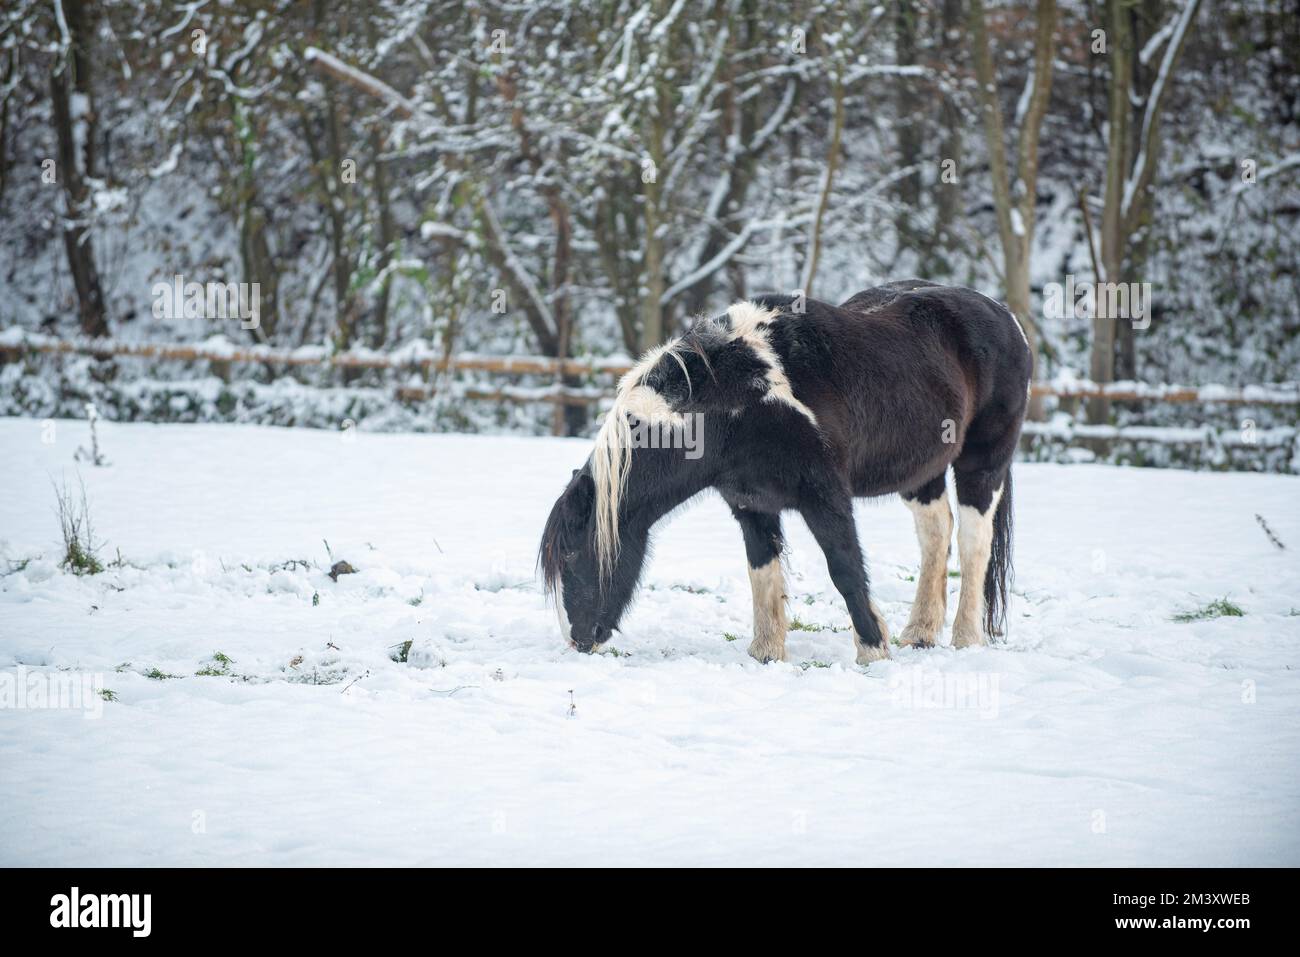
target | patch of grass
x=693, y=589
x=798, y=624
x=157, y=674
x=615, y=653
x=806, y=665
x=218, y=668
x=108, y=694
x=954, y=573
x=809, y=600
x=403, y=651
x=1219, y=608
x=315, y=598
x=79, y=545
x=728, y=636
x=416, y=601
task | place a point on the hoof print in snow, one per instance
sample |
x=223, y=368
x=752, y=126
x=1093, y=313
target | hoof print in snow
x=341, y=568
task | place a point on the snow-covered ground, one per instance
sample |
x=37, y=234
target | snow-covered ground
x=1100, y=731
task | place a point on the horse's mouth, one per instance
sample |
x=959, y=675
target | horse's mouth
x=590, y=645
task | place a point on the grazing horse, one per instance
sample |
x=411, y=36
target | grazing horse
x=805, y=405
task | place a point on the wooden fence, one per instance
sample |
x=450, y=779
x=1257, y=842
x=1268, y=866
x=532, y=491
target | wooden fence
x=426, y=361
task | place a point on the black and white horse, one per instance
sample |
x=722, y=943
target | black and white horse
x=806, y=406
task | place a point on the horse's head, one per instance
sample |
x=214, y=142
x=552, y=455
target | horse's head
x=647, y=459
x=571, y=567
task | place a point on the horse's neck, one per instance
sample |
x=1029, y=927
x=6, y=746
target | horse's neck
x=654, y=492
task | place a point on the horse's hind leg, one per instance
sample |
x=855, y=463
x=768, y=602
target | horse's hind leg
x=933, y=518
x=832, y=525
x=978, y=493
x=763, y=543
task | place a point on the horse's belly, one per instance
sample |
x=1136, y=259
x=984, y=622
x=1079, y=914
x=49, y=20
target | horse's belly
x=758, y=497
x=886, y=475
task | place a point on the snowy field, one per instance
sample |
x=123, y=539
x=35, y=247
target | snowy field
x=1099, y=731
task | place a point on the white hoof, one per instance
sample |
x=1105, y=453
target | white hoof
x=920, y=635
x=963, y=636
x=764, y=651
x=867, y=654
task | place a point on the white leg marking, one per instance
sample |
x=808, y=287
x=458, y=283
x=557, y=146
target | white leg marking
x=867, y=654
x=768, y=584
x=974, y=542
x=565, y=631
x=934, y=532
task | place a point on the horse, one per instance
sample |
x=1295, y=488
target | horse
x=805, y=406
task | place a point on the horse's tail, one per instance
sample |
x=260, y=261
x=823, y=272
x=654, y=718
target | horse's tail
x=997, y=577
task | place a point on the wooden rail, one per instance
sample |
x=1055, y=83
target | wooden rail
x=314, y=356
x=1272, y=438
x=15, y=342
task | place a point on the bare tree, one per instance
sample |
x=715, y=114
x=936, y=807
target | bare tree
x=1133, y=145
x=1015, y=191
x=72, y=94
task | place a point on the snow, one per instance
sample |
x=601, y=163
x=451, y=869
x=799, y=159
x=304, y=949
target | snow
x=1099, y=731
x=365, y=81
x=169, y=164
x=1153, y=45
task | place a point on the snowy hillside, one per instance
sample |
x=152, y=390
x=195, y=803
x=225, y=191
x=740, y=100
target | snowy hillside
x=1100, y=731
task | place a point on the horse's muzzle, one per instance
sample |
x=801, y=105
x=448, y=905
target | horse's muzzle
x=589, y=644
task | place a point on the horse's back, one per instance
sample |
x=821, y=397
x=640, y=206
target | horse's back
x=869, y=300
x=913, y=360
x=984, y=335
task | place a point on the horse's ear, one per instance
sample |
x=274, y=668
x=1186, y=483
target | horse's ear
x=582, y=492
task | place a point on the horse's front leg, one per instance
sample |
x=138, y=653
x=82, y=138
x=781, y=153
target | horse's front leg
x=763, y=544
x=831, y=522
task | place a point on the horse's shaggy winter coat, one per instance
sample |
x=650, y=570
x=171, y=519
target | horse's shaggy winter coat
x=806, y=406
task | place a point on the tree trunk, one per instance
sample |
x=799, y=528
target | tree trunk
x=387, y=235
x=1131, y=150
x=948, y=199
x=828, y=183
x=652, y=262
x=907, y=130
x=1015, y=199
x=387, y=229
x=11, y=66
x=254, y=250
x=72, y=95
